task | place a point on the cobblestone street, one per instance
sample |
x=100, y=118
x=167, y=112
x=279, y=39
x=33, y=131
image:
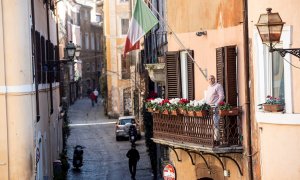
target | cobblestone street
x=104, y=158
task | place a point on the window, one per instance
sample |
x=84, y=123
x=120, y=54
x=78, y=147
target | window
x=122, y=1
x=86, y=38
x=125, y=67
x=272, y=73
x=92, y=41
x=86, y=14
x=277, y=75
x=93, y=67
x=98, y=42
x=124, y=26
x=180, y=75
x=88, y=67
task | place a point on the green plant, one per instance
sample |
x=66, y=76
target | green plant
x=224, y=106
x=273, y=100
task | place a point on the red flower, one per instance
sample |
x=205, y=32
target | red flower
x=183, y=101
x=222, y=103
x=149, y=99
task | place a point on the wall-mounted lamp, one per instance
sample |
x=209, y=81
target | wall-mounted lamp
x=270, y=28
x=201, y=33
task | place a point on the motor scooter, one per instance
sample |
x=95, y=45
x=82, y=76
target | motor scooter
x=132, y=134
x=78, y=156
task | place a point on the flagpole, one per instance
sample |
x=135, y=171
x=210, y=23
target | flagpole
x=204, y=72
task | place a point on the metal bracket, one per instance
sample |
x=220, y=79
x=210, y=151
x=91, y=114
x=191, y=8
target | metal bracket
x=236, y=163
x=179, y=160
x=283, y=52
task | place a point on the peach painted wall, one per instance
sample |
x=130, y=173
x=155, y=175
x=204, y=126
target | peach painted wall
x=185, y=170
x=280, y=147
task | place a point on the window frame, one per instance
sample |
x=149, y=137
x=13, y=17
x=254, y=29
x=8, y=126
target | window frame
x=262, y=75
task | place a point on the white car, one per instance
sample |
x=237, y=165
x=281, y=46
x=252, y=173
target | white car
x=122, y=127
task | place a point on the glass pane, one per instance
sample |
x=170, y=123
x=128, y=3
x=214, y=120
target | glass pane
x=125, y=25
x=277, y=76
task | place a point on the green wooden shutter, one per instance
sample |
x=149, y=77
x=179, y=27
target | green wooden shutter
x=173, y=85
x=191, y=80
x=231, y=75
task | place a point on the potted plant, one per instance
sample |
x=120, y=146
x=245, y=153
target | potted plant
x=173, y=106
x=164, y=106
x=201, y=108
x=182, y=106
x=152, y=104
x=273, y=104
x=190, y=108
x=226, y=109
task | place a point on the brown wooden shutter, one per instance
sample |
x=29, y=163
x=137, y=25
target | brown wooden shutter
x=191, y=80
x=38, y=58
x=173, y=86
x=43, y=53
x=220, y=66
x=231, y=75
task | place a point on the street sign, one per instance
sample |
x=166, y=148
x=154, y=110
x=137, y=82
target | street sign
x=169, y=172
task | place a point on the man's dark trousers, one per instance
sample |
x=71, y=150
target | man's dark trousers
x=132, y=168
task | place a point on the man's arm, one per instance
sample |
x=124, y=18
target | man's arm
x=220, y=92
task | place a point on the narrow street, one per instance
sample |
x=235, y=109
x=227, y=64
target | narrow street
x=104, y=158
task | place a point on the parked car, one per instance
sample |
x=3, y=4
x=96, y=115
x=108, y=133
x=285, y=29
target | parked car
x=122, y=127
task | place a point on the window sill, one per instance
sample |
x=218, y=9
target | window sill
x=277, y=118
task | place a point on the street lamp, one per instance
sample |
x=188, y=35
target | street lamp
x=77, y=52
x=270, y=27
x=70, y=50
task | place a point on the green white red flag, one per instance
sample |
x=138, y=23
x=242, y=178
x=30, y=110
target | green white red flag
x=143, y=20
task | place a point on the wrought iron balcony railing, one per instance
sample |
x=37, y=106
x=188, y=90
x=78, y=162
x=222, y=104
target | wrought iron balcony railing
x=198, y=132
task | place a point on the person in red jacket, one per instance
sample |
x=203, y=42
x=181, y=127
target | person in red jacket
x=93, y=98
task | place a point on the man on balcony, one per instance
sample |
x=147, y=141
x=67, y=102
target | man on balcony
x=213, y=96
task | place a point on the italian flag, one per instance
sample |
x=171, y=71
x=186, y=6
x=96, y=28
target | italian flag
x=143, y=20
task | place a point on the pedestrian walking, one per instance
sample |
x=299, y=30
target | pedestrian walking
x=134, y=157
x=93, y=98
x=96, y=93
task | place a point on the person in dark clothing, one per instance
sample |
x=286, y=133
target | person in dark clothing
x=134, y=157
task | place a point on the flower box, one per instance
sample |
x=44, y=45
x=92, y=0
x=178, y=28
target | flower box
x=232, y=112
x=273, y=107
x=201, y=113
x=166, y=112
x=181, y=111
x=149, y=109
x=173, y=112
x=155, y=111
x=191, y=113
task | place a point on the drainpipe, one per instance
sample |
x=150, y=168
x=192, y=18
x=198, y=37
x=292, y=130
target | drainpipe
x=37, y=101
x=48, y=54
x=247, y=89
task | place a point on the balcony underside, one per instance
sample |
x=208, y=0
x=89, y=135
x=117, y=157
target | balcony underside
x=197, y=133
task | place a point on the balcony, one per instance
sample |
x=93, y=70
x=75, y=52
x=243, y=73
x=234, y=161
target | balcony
x=197, y=133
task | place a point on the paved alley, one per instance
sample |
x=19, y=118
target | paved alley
x=104, y=158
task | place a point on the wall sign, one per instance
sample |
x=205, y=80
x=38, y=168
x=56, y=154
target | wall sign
x=169, y=172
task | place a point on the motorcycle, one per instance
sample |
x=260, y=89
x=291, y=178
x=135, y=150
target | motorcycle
x=78, y=156
x=132, y=134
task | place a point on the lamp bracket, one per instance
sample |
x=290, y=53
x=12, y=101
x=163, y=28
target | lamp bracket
x=283, y=52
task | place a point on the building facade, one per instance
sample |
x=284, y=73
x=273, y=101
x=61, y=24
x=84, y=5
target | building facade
x=30, y=130
x=116, y=23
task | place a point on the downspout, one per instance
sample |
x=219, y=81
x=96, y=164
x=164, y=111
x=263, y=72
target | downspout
x=247, y=90
x=155, y=31
x=48, y=54
x=37, y=101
